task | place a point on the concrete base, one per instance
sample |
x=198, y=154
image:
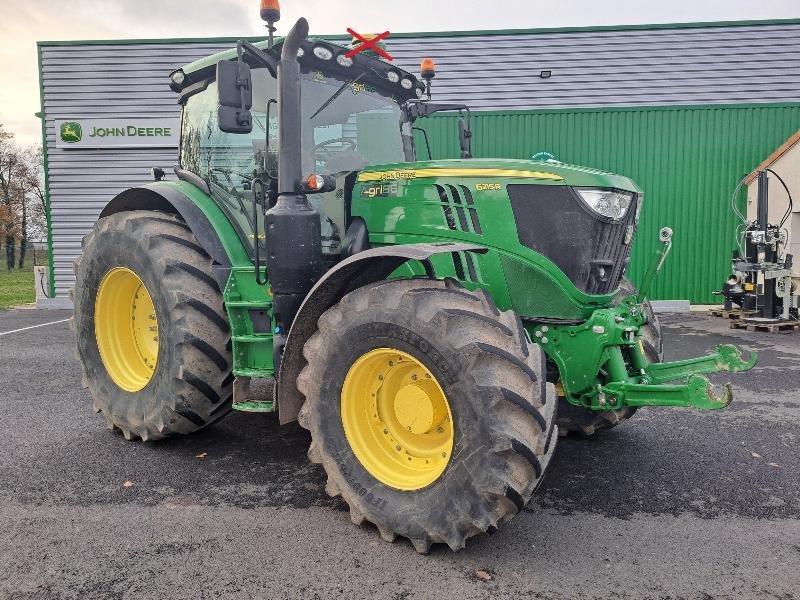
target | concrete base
x=671, y=306
x=54, y=303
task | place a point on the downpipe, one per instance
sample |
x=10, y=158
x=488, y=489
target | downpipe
x=294, y=245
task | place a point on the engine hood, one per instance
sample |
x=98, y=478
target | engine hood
x=496, y=168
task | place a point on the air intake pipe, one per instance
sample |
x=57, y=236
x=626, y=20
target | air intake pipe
x=294, y=246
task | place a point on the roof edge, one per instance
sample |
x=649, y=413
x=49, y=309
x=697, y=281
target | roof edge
x=774, y=157
x=462, y=33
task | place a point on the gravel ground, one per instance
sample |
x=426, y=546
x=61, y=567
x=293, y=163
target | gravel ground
x=673, y=504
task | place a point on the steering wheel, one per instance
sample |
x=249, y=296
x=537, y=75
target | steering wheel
x=348, y=142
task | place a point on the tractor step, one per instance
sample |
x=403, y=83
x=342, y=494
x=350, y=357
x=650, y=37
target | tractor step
x=765, y=327
x=242, y=400
x=248, y=304
x=256, y=406
x=253, y=338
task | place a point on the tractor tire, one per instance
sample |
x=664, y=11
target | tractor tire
x=168, y=373
x=483, y=408
x=575, y=419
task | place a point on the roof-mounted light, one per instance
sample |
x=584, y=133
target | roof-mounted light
x=406, y=83
x=177, y=78
x=344, y=61
x=427, y=68
x=270, y=11
x=323, y=53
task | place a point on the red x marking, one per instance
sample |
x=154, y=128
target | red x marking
x=365, y=43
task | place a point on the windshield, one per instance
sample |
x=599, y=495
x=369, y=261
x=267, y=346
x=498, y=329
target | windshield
x=355, y=129
x=351, y=130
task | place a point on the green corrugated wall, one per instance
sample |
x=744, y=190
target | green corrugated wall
x=688, y=160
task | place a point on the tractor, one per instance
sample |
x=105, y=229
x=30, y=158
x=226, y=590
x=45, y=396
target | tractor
x=434, y=324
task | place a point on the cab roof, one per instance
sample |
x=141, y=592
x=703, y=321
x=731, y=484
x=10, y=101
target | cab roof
x=377, y=70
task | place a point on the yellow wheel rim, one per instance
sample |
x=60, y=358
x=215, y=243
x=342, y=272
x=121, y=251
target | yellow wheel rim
x=397, y=419
x=126, y=329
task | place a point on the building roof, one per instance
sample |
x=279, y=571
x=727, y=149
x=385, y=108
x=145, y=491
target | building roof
x=773, y=158
x=476, y=32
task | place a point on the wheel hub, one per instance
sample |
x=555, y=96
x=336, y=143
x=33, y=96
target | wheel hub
x=397, y=419
x=126, y=329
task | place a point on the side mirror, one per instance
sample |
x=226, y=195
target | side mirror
x=464, y=135
x=235, y=96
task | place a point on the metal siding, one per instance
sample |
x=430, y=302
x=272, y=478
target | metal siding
x=693, y=65
x=705, y=65
x=687, y=160
x=84, y=82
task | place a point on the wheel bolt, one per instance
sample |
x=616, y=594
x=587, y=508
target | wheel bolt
x=398, y=448
x=414, y=377
x=444, y=454
x=439, y=430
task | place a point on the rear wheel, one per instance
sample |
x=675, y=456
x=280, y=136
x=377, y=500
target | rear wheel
x=427, y=409
x=151, y=331
x=576, y=419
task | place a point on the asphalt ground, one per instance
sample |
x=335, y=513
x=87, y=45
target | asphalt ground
x=675, y=503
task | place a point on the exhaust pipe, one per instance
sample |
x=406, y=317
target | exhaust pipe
x=294, y=245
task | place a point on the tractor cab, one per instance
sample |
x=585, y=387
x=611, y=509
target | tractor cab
x=355, y=112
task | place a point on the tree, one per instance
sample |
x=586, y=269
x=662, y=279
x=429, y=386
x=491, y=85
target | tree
x=22, y=198
x=9, y=169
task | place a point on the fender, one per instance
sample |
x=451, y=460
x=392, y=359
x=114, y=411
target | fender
x=354, y=272
x=210, y=226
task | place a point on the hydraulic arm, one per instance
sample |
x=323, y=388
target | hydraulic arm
x=603, y=365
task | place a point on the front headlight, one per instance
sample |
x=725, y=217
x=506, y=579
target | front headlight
x=607, y=203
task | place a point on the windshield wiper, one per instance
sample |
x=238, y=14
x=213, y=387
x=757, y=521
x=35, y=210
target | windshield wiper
x=337, y=93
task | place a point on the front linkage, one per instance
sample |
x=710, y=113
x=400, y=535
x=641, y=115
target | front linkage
x=603, y=366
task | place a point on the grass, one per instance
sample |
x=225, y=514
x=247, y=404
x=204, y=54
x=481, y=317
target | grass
x=16, y=287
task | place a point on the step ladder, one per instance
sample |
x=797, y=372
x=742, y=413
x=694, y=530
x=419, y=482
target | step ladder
x=251, y=336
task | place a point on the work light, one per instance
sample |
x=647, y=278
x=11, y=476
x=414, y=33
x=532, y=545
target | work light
x=393, y=76
x=607, y=203
x=344, y=61
x=406, y=83
x=322, y=53
x=177, y=77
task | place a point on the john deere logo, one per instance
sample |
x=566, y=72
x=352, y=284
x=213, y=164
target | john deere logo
x=71, y=132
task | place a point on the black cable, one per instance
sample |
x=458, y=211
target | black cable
x=788, y=193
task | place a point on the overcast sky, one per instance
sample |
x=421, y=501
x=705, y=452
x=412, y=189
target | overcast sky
x=25, y=22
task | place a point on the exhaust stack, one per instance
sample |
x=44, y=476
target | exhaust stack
x=294, y=246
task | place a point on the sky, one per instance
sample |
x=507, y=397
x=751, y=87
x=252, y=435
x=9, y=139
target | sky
x=25, y=22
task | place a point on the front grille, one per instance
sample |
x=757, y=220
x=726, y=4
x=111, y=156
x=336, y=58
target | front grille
x=552, y=220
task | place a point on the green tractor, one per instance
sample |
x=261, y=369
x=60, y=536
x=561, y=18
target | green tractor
x=434, y=324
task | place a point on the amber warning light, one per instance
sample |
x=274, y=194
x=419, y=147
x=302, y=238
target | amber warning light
x=427, y=70
x=270, y=11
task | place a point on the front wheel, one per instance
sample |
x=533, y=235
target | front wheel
x=427, y=409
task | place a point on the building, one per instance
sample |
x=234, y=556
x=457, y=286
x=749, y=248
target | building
x=687, y=110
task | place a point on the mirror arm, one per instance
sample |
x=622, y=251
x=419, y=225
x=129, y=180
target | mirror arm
x=243, y=47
